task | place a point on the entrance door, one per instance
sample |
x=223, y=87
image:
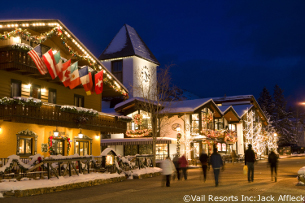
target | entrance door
x=58, y=146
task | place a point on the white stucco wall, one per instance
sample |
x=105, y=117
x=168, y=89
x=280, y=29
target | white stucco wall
x=132, y=77
x=240, y=142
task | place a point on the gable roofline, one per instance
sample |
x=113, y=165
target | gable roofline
x=52, y=23
x=130, y=48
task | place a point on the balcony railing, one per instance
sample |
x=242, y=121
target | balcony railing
x=52, y=115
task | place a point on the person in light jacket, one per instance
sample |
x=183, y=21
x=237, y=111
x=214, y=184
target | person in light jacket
x=168, y=168
x=216, y=162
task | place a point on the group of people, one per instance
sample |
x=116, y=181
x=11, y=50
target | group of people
x=170, y=167
x=250, y=160
x=215, y=160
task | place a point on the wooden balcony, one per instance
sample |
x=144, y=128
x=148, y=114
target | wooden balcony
x=52, y=115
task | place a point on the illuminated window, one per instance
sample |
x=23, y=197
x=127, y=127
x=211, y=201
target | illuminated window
x=195, y=123
x=25, y=146
x=82, y=147
x=117, y=69
x=232, y=127
x=35, y=91
x=161, y=151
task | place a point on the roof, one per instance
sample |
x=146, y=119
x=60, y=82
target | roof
x=232, y=98
x=187, y=106
x=42, y=26
x=241, y=110
x=127, y=42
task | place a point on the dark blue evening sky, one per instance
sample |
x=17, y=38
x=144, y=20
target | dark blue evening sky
x=218, y=47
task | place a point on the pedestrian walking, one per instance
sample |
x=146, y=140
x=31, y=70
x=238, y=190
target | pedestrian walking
x=176, y=163
x=168, y=169
x=217, y=163
x=273, y=160
x=183, y=166
x=204, y=164
x=249, y=161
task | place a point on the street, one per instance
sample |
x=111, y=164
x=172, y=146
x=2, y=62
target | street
x=233, y=187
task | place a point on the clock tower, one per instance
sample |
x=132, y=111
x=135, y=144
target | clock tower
x=130, y=60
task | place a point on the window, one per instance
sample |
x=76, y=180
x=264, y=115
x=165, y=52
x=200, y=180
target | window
x=161, y=151
x=221, y=147
x=130, y=150
x=58, y=147
x=117, y=69
x=35, y=91
x=82, y=148
x=232, y=127
x=78, y=100
x=25, y=146
x=195, y=123
x=52, y=96
x=15, y=88
x=219, y=124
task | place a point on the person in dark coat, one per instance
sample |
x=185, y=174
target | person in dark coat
x=273, y=160
x=204, y=163
x=183, y=165
x=249, y=161
x=176, y=163
x=216, y=162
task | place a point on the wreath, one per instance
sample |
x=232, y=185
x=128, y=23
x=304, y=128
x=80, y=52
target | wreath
x=138, y=119
x=51, y=149
x=179, y=136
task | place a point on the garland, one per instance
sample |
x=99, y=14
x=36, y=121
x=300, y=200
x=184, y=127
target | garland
x=230, y=136
x=21, y=101
x=51, y=150
x=10, y=164
x=139, y=133
x=138, y=119
x=213, y=133
x=79, y=110
x=207, y=117
x=24, y=34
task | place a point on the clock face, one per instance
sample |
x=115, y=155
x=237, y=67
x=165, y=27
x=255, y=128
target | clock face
x=145, y=74
x=175, y=126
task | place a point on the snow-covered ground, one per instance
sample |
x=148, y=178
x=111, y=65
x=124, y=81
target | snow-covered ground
x=53, y=182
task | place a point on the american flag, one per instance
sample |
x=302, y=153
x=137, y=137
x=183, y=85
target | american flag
x=35, y=54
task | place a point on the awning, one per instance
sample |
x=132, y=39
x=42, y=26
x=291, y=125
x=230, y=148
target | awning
x=137, y=141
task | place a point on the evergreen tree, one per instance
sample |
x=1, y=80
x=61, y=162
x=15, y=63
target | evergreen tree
x=282, y=119
x=266, y=103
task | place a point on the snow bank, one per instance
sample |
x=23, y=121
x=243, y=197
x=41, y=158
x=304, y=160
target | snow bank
x=53, y=182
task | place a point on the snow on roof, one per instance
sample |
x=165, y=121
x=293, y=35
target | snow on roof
x=106, y=151
x=134, y=99
x=242, y=109
x=223, y=108
x=185, y=106
x=229, y=98
x=118, y=42
x=127, y=42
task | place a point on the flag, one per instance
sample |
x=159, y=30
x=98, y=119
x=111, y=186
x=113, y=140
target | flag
x=49, y=60
x=58, y=67
x=35, y=54
x=74, y=76
x=65, y=73
x=99, y=82
x=86, y=79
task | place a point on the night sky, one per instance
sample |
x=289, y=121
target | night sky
x=217, y=47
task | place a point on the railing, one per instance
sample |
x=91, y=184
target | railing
x=53, y=116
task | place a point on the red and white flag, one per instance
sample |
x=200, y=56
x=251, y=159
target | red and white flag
x=35, y=54
x=99, y=82
x=66, y=70
x=50, y=62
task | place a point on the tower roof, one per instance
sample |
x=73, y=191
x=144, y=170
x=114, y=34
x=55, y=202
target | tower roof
x=127, y=42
